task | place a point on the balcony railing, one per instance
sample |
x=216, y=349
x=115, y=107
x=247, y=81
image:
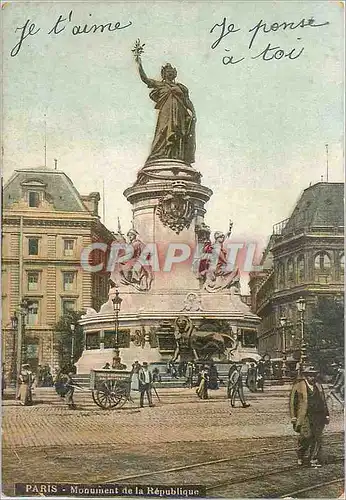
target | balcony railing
x=279, y=227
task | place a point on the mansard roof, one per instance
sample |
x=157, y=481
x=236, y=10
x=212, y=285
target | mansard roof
x=320, y=206
x=58, y=187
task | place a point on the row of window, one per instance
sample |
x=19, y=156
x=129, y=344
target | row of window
x=32, y=317
x=322, y=264
x=69, y=278
x=33, y=246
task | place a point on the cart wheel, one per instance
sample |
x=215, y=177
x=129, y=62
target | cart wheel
x=120, y=394
x=103, y=400
x=121, y=397
x=107, y=397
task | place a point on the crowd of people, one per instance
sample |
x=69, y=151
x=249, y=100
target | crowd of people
x=308, y=406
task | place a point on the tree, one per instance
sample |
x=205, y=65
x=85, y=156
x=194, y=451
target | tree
x=325, y=334
x=63, y=338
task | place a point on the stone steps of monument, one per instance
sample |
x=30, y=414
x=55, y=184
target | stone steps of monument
x=171, y=383
x=49, y=394
x=82, y=379
x=166, y=380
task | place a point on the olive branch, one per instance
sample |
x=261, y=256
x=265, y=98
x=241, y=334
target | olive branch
x=138, y=49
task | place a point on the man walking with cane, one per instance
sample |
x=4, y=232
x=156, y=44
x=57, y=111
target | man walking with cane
x=145, y=380
x=309, y=415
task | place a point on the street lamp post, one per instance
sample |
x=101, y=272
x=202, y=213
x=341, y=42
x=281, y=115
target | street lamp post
x=117, y=305
x=301, y=305
x=14, y=323
x=72, y=326
x=283, y=321
x=23, y=310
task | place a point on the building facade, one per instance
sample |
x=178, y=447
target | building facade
x=304, y=259
x=46, y=225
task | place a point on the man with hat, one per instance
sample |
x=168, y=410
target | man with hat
x=117, y=364
x=309, y=415
x=235, y=385
x=145, y=380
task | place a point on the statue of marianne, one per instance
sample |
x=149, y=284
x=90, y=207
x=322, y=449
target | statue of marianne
x=175, y=129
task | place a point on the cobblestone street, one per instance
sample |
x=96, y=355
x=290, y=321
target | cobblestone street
x=49, y=442
x=194, y=420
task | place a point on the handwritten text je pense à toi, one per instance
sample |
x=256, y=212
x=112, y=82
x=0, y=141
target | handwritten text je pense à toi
x=270, y=52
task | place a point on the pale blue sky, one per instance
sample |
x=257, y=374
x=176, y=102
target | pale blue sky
x=262, y=125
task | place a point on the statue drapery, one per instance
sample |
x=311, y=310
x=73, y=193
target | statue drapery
x=175, y=129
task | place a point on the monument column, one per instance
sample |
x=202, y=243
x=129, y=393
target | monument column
x=168, y=200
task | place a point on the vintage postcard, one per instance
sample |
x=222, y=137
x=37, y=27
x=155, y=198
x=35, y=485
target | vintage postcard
x=173, y=249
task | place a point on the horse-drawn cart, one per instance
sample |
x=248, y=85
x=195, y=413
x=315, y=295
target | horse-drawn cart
x=110, y=388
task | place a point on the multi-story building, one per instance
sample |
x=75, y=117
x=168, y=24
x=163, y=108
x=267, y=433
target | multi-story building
x=304, y=258
x=46, y=224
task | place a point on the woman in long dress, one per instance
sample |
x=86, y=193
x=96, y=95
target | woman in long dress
x=135, y=376
x=175, y=129
x=26, y=380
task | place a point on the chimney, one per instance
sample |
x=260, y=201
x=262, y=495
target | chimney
x=91, y=202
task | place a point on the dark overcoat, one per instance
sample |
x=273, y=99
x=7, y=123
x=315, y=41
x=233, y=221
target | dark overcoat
x=299, y=409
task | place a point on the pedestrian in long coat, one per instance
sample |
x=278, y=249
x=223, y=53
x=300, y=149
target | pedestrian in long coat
x=251, y=379
x=69, y=384
x=189, y=374
x=202, y=390
x=26, y=380
x=145, y=380
x=309, y=415
x=236, y=386
x=213, y=377
x=261, y=373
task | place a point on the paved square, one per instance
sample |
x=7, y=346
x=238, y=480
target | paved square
x=49, y=442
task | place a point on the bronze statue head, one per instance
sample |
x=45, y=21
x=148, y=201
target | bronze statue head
x=168, y=72
x=183, y=323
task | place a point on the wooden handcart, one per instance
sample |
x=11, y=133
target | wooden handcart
x=110, y=388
